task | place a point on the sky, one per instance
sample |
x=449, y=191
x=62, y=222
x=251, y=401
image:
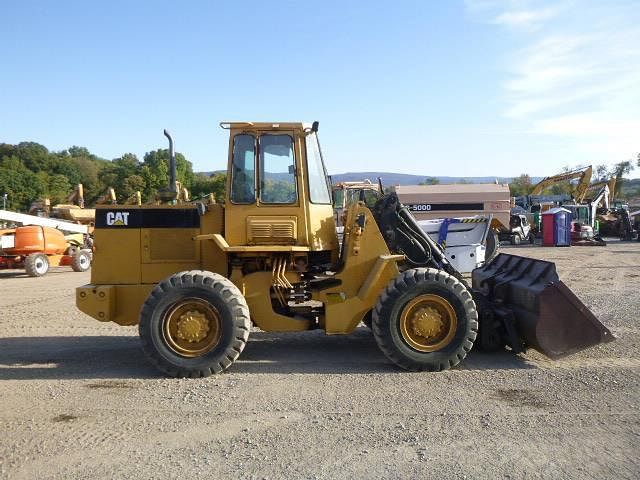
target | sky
x=456, y=88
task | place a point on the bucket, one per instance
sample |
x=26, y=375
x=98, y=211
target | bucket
x=528, y=296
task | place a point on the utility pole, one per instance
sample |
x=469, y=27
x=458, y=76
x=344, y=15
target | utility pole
x=4, y=201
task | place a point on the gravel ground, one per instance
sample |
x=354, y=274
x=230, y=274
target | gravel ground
x=79, y=399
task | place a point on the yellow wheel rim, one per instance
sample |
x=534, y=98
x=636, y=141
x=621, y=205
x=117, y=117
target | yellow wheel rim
x=428, y=323
x=192, y=327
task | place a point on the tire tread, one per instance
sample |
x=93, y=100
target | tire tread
x=382, y=323
x=215, y=283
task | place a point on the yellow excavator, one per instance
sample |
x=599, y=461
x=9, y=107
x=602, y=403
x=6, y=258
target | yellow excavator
x=196, y=276
x=582, y=174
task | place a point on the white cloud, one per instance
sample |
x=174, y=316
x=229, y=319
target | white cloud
x=525, y=19
x=575, y=75
x=595, y=132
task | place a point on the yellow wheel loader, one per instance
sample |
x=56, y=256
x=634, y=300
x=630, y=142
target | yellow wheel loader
x=196, y=276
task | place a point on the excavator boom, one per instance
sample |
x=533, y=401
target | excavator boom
x=583, y=174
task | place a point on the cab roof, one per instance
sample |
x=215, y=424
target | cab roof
x=266, y=125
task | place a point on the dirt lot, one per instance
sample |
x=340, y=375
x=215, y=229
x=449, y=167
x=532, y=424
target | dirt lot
x=79, y=399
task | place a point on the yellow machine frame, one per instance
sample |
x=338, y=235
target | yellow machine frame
x=130, y=261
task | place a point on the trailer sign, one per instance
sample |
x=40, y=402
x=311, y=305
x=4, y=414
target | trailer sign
x=420, y=207
x=439, y=207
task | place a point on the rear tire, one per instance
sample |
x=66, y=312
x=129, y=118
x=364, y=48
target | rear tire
x=425, y=320
x=194, y=324
x=515, y=239
x=36, y=264
x=81, y=261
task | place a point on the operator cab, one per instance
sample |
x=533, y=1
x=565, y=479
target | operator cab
x=278, y=192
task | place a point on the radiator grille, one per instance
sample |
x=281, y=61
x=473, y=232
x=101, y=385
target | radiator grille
x=266, y=230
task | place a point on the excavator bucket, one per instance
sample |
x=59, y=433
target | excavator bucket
x=524, y=301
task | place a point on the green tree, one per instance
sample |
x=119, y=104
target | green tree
x=89, y=170
x=114, y=174
x=76, y=151
x=155, y=178
x=6, y=150
x=34, y=156
x=521, y=185
x=155, y=171
x=619, y=171
x=58, y=188
x=131, y=185
x=61, y=164
x=21, y=184
x=204, y=185
x=430, y=181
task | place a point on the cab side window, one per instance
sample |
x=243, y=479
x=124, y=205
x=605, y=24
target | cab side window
x=243, y=183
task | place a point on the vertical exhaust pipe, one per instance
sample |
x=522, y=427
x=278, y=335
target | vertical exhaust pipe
x=171, y=193
x=172, y=165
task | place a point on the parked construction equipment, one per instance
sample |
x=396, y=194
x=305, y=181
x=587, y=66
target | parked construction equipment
x=536, y=203
x=197, y=275
x=41, y=244
x=72, y=210
x=24, y=219
x=595, y=188
x=463, y=239
x=462, y=200
x=584, y=218
x=579, y=190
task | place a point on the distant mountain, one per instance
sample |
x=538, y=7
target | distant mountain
x=389, y=178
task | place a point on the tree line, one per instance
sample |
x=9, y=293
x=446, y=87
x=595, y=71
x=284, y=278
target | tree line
x=30, y=172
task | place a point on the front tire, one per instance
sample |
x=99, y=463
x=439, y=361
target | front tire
x=194, y=324
x=36, y=264
x=425, y=320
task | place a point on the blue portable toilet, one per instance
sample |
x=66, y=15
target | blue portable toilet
x=561, y=225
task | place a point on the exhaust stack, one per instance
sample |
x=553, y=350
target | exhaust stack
x=171, y=193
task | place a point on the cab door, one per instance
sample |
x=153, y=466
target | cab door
x=264, y=195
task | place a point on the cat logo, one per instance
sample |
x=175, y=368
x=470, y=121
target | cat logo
x=118, y=218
